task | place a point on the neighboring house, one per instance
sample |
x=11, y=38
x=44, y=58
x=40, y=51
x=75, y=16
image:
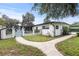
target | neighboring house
x=50, y=28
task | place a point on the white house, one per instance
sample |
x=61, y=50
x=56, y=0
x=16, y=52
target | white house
x=50, y=28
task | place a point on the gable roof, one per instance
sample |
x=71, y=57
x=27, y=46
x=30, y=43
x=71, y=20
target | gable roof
x=51, y=23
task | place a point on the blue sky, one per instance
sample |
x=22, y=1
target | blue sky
x=16, y=11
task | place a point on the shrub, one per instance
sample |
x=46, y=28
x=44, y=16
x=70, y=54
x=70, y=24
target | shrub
x=78, y=34
x=65, y=30
x=8, y=31
x=37, y=31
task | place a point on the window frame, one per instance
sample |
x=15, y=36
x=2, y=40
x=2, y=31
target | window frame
x=45, y=27
x=56, y=27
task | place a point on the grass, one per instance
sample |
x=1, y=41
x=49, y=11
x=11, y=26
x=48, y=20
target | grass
x=38, y=38
x=69, y=47
x=12, y=48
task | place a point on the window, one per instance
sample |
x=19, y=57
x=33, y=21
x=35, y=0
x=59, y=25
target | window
x=45, y=27
x=36, y=30
x=36, y=27
x=57, y=27
x=8, y=31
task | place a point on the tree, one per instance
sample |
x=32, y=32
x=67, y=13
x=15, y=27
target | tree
x=9, y=22
x=46, y=20
x=5, y=17
x=2, y=22
x=56, y=10
x=28, y=19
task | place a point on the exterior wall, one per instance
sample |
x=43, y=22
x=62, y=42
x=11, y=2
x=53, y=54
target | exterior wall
x=48, y=32
x=58, y=31
x=4, y=35
x=39, y=28
x=45, y=32
x=51, y=30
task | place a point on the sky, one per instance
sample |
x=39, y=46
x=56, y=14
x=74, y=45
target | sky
x=16, y=10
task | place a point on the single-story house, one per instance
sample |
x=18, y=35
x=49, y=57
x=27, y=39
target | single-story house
x=50, y=28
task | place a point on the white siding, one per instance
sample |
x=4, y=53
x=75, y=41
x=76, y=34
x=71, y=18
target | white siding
x=3, y=34
x=51, y=30
x=45, y=31
x=58, y=31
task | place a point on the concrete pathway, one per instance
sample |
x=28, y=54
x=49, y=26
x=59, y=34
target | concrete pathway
x=47, y=47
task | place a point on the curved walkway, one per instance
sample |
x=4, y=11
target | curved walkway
x=47, y=47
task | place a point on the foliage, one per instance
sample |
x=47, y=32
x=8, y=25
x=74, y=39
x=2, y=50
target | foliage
x=8, y=31
x=2, y=22
x=78, y=34
x=46, y=20
x=69, y=47
x=56, y=10
x=12, y=48
x=28, y=19
x=10, y=22
x=65, y=30
x=74, y=27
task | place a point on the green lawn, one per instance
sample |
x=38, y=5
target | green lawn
x=69, y=47
x=12, y=48
x=38, y=38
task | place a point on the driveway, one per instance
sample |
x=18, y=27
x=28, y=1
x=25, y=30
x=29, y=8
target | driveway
x=46, y=47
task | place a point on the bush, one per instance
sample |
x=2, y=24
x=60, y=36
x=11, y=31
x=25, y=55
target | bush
x=37, y=31
x=65, y=30
x=78, y=34
x=8, y=31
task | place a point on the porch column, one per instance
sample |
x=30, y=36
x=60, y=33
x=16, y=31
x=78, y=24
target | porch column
x=23, y=31
x=13, y=32
x=33, y=31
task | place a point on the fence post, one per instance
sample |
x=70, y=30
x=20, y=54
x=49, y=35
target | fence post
x=33, y=30
x=23, y=31
x=13, y=32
